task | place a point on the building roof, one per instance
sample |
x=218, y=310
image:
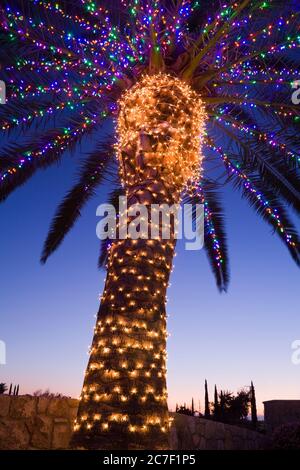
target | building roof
x=279, y=401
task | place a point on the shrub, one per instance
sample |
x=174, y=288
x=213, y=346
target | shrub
x=287, y=436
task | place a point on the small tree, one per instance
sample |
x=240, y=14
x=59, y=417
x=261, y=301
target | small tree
x=233, y=409
x=3, y=388
x=207, y=410
x=239, y=406
x=184, y=410
x=193, y=409
x=224, y=403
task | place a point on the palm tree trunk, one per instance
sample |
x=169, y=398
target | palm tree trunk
x=124, y=400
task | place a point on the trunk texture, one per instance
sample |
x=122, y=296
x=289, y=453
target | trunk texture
x=124, y=400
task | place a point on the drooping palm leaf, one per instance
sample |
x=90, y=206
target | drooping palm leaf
x=91, y=175
x=215, y=235
x=20, y=161
x=265, y=202
x=271, y=168
x=208, y=194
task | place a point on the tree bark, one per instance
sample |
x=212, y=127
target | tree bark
x=124, y=400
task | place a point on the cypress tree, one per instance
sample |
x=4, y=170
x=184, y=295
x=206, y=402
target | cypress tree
x=222, y=405
x=216, y=404
x=17, y=391
x=253, y=405
x=207, y=411
x=10, y=389
x=193, y=410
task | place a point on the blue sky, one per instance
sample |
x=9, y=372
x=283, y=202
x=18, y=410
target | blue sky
x=48, y=312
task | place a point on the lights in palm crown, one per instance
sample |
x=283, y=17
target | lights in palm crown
x=160, y=128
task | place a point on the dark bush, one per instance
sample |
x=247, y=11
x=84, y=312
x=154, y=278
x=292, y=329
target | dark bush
x=287, y=436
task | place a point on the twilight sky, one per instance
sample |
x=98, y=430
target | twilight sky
x=47, y=312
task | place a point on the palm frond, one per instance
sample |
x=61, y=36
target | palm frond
x=21, y=161
x=91, y=175
x=215, y=241
x=265, y=202
x=190, y=69
x=270, y=166
x=215, y=235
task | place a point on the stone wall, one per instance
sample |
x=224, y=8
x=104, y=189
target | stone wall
x=189, y=433
x=28, y=422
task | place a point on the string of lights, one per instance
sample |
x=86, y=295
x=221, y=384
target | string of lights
x=179, y=80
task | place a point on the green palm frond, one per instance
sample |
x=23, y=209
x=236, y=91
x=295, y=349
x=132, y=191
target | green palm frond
x=91, y=175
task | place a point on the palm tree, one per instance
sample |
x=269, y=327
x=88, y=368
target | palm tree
x=176, y=76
